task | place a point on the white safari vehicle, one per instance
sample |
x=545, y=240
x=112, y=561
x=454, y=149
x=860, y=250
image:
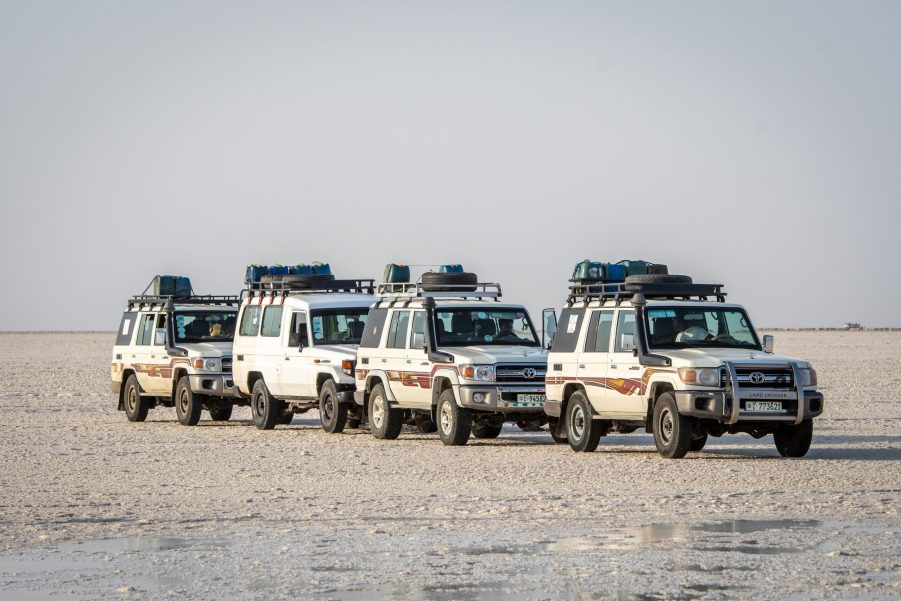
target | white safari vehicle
x=174, y=348
x=661, y=353
x=446, y=352
x=296, y=345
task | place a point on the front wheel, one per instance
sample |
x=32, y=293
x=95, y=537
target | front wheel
x=332, y=414
x=384, y=422
x=582, y=431
x=454, y=422
x=672, y=431
x=486, y=430
x=697, y=443
x=187, y=405
x=555, y=427
x=135, y=406
x=425, y=424
x=794, y=440
x=266, y=409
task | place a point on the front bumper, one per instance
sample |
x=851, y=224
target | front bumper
x=213, y=385
x=718, y=405
x=501, y=399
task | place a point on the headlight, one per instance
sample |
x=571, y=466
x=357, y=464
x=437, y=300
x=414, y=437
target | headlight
x=808, y=376
x=211, y=364
x=705, y=376
x=483, y=373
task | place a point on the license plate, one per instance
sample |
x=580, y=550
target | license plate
x=526, y=400
x=764, y=406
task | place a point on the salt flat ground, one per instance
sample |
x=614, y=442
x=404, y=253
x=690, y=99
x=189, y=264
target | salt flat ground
x=95, y=507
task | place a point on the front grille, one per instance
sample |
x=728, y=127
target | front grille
x=513, y=373
x=778, y=377
x=227, y=365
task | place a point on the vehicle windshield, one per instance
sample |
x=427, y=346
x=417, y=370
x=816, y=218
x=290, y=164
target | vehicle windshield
x=691, y=327
x=205, y=326
x=466, y=327
x=338, y=326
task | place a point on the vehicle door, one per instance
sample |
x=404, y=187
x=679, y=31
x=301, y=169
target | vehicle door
x=245, y=346
x=138, y=356
x=563, y=358
x=394, y=356
x=160, y=381
x=296, y=380
x=416, y=379
x=271, y=355
x=623, y=391
x=594, y=357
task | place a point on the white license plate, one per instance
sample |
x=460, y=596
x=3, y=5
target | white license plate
x=526, y=400
x=764, y=406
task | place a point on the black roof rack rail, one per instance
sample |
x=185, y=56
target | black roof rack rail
x=411, y=290
x=195, y=299
x=360, y=286
x=588, y=290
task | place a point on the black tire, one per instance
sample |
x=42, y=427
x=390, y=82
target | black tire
x=697, y=444
x=657, y=269
x=297, y=281
x=657, y=278
x=582, y=431
x=285, y=419
x=443, y=282
x=486, y=430
x=794, y=440
x=454, y=422
x=553, y=426
x=220, y=411
x=353, y=423
x=425, y=424
x=266, y=409
x=385, y=422
x=672, y=431
x=135, y=406
x=187, y=404
x=332, y=414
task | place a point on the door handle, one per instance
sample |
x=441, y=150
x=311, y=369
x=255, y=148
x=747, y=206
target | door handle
x=409, y=361
x=287, y=358
x=612, y=367
x=424, y=363
x=384, y=361
x=581, y=367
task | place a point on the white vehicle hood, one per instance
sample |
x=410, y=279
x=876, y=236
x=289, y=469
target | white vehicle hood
x=487, y=355
x=714, y=357
x=207, y=349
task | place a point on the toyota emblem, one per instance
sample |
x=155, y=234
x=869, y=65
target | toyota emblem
x=756, y=377
x=528, y=373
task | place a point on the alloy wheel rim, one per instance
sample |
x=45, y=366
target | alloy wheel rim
x=578, y=423
x=378, y=412
x=447, y=420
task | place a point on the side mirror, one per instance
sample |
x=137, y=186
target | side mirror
x=549, y=319
x=418, y=340
x=768, y=344
x=627, y=343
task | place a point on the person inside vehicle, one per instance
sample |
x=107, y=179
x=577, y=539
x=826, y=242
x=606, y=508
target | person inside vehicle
x=215, y=329
x=687, y=332
x=505, y=331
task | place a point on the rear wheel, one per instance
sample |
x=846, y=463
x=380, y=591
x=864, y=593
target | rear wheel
x=697, y=443
x=454, y=422
x=425, y=424
x=187, y=405
x=332, y=414
x=220, y=411
x=486, y=430
x=672, y=431
x=267, y=410
x=582, y=431
x=135, y=406
x=286, y=418
x=384, y=422
x=794, y=440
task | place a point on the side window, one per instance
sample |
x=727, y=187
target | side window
x=568, y=329
x=375, y=323
x=625, y=324
x=418, y=327
x=145, y=335
x=159, y=338
x=598, y=338
x=126, y=328
x=250, y=321
x=397, y=331
x=272, y=321
x=299, y=334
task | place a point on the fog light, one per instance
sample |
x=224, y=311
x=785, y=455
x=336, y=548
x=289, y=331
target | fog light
x=479, y=397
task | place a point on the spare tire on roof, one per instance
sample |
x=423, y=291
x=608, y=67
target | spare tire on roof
x=657, y=269
x=449, y=282
x=298, y=281
x=635, y=282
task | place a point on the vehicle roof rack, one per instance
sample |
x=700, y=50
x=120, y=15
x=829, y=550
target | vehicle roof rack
x=259, y=288
x=411, y=290
x=151, y=300
x=588, y=290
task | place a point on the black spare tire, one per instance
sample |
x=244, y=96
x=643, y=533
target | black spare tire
x=297, y=281
x=449, y=282
x=635, y=282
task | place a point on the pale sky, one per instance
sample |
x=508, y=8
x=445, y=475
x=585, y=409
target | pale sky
x=753, y=144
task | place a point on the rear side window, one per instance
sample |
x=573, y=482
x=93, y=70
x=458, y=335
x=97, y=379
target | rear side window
x=375, y=324
x=145, y=335
x=250, y=321
x=625, y=324
x=126, y=328
x=568, y=329
x=272, y=321
x=597, y=340
x=397, y=333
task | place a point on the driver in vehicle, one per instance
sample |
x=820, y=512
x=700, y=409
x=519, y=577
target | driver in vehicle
x=689, y=333
x=505, y=330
